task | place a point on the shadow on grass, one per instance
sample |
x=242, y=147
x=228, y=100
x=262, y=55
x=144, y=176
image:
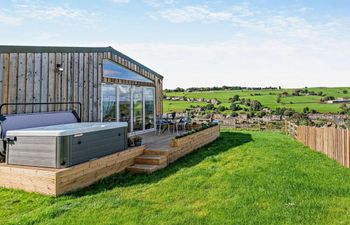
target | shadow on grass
x=226, y=141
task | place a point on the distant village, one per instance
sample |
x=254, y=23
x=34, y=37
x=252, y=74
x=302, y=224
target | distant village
x=267, y=119
x=209, y=101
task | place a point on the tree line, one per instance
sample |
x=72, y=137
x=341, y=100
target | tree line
x=222, y=88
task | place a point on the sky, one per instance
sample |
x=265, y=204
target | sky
x=253, y=43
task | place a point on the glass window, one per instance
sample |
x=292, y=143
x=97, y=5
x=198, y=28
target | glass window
x=131, y=104
x=149, y=108
x=137, y=108
x=124, y=92
x=113, y=70
x=109, y=102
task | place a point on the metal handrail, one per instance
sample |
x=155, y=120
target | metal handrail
x=43, y=103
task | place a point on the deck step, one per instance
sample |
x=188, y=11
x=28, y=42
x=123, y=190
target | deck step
x=144, y=168
x=156, y=152
x=151, y=159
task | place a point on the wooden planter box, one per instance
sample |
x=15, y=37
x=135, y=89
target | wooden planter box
x=200, y=135
x=185, y=145
x=175, y=142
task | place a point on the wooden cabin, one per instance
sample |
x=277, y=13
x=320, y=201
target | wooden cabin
x=110, y=85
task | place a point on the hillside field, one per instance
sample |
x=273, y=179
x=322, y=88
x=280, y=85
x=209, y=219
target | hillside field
x=242, y=178
x=267, y=98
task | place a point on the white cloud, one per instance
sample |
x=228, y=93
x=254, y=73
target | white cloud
x=158, y=3
x=264, y=47
x=194, y=13
x=269, y=48
x=247, y=61
x=120, y=1
x=24, y=10
x=247, y=18
x=303, y=9
x=46, y=36
x=204, y=14
x=7, y=19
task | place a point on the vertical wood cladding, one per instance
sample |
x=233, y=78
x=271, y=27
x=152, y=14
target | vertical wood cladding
x=34, y=77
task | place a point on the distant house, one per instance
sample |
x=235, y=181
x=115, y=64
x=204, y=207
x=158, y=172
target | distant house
x=272, y=118
x=266, y=110
x=243, y=116
x=338, y=101
x=327, y=116
x=219, y=116
x=199, y=109
x=214, y=101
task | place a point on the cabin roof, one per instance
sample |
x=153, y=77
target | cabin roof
x=66, y=49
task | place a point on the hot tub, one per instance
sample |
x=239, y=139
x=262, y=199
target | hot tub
x=65, y=145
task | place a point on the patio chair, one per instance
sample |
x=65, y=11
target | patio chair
x=174, y=123
x=162, y=125
x=183, y=123
x=180, y=122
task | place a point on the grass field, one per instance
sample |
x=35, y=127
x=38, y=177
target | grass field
x=242, y=178
x=179, y=106
x=298, y=102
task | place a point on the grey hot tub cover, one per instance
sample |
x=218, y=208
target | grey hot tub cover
x=22, y=121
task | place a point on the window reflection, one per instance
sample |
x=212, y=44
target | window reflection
x=149, y=108
x=137, y=108
x=109, y=102
x=135, y=105
x=113, y=70
x=125, y=104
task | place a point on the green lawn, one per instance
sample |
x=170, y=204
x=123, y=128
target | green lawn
x=179, y=106
x=298, y=102
x=242, y=178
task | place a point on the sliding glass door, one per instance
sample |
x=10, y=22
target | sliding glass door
x=132, y=104
x=137, y=108
x=124, y=97
x=149, y=107
x=109, y=103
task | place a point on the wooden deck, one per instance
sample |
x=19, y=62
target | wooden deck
x=156, y=153
x=153, y=141
x=56, y=182
x=160, y=151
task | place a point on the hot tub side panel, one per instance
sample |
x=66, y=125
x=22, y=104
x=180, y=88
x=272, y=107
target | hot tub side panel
x=33, y=151
x=65, y=151
x=96, y=144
